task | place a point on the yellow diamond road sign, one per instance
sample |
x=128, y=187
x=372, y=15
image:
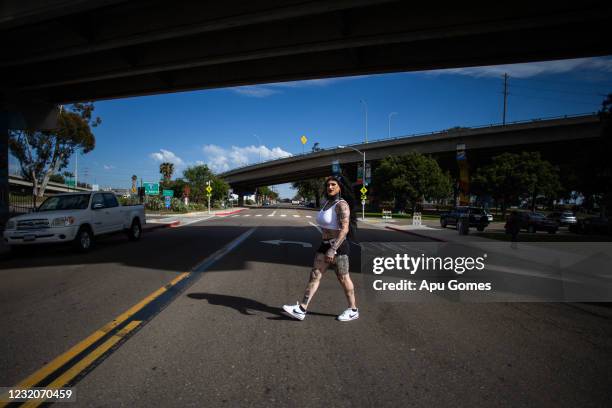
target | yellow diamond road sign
x=208, y=189
x=363, y=190
x=303, y=139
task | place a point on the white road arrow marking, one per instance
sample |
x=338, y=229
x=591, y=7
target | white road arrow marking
x=280, y=241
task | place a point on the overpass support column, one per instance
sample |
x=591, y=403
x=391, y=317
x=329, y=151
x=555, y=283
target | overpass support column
x=240, y=200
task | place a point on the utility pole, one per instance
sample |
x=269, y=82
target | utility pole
x=505, y=97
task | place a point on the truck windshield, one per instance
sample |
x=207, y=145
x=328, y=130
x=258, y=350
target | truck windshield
x=65, y=202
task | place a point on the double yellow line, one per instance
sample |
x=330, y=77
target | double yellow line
x=87, y=360
x=93, y=355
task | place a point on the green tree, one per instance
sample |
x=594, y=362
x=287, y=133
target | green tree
x=197, y=178
x=410, y=178
x=44, y=153
x=166, y=169
x=511, y=177
x=311, y=189
x=57, y=178
x=267, y=192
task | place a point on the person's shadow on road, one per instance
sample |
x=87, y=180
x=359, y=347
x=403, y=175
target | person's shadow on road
x=245, y=306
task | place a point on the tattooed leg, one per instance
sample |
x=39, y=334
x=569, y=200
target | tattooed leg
x=315, y=278
x=342, y=273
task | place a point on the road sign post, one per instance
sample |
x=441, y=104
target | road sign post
x=363, y=190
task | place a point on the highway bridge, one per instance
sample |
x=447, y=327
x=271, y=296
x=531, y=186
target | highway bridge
x=63, y=51
x=556, y=139
x=19, y=184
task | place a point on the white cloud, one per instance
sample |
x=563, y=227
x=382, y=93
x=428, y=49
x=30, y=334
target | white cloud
x=220, y=159
x=255, y=91
x=530, y=69
x=108, y=167
x=167, y=156
x=262, y=91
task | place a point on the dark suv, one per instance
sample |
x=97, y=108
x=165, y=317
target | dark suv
x=477, y=216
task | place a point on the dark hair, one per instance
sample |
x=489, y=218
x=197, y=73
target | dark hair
x=346, y=193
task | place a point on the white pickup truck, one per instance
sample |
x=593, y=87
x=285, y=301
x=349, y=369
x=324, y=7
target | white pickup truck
x=76, y=218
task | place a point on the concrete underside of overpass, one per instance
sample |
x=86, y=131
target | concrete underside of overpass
x=560, y=141
x=63, y=51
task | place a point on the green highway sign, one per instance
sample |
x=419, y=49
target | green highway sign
x=151, y=188
x=168, y=193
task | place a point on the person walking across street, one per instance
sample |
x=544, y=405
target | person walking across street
x=337, y=222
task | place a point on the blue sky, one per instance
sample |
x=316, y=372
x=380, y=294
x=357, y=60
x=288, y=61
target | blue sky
x=229, y=127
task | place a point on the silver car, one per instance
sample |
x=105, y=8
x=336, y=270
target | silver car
x=564, y=218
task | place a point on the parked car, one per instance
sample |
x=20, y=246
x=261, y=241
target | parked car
x=564, y=218
x=593, y=225
x=77, y=218
x=533, y=222
x=477, y=217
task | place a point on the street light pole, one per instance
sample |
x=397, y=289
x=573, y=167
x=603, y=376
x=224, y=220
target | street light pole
x=365, y=105
x=363, y=177
x=391, y=114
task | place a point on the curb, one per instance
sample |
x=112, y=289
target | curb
x=416, y=234
x=156, y=226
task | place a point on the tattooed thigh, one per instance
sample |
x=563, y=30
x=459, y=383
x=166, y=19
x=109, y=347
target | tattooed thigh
x=342, y=265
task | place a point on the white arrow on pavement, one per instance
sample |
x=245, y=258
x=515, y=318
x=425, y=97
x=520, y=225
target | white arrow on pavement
x=280, y=241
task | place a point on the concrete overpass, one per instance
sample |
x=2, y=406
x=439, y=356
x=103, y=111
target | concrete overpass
x=62, y=51
x=554, y=138
x=19, y=184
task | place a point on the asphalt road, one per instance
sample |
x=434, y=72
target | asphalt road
x=219, y=339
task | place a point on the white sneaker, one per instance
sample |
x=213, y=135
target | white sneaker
x=294, y=311
x=348, y=315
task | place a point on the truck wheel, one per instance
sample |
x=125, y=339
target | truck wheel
x=135, y=231
x=531, y=229
x=84, y=240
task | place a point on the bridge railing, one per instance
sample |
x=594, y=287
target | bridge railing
x=490, y=125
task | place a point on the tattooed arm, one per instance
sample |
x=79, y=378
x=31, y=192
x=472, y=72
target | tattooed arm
x=344, y=213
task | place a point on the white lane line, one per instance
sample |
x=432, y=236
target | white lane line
x=182, y=224
x=283, y=215
x=316, y=226
x=237, y=215
x=296, y=216
x=309, y=216
x=272, y=215
x=258, y=215
x=246, y=215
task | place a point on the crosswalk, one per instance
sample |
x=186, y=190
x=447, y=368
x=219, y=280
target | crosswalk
x=271, y=215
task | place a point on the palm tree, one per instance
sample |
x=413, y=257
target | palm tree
x=166, y=169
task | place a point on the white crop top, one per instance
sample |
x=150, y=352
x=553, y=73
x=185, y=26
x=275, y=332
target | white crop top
x=328, y=219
